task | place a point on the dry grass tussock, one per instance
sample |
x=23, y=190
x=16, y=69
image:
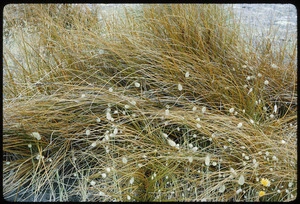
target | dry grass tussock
x=164, y=102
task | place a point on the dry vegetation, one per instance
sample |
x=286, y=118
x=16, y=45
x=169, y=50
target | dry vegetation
x=166, y=102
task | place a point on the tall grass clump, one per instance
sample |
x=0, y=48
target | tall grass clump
x=152, y=103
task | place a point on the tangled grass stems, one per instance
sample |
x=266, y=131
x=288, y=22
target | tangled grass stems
x=156, y=103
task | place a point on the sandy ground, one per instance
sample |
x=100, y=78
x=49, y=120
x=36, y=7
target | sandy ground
x=257, y=17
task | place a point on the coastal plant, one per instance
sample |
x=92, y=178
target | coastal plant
x=150, y=103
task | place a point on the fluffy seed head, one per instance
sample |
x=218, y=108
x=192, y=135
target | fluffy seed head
x=137, y=84
x=36, y=135
x=187, y=74
x=222, y=189
x=207, y=160
x=171, y=143
x=131, y=180
x=124, y=160
x=241, y=180
x=203, y=109
x=266, y=82
x=179, y=87
x=165, y=135
x=93, y=144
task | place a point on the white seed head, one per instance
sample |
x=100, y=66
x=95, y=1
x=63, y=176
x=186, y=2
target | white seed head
x=93, y=144
x=240, y=125
x=266, y=82
x=190, y=159
x=207, y=160
x=29, y=145
x=165, y=135
x=194, y=108
x=233, y=172
x=93, y=182
x=124, y=160
x=108, y=116
x=98, y=120
x=239, y=191
x=171, y=143
x=274, y=66
x=36, y=135
x=203, y=109
x=231, y=110
x=248, y=78
x=259, y=75
x=167, y=112
x=38, y=157
x=107, y=169
x=137, y=84
x=222, y=189
x=87, y=132
x=179, y=87
x=241, y=180
x=131, y=180
x=187, y=74
x=198, y=125
x=103, y=175
x=275, y=108
x=115, y=131
x=195, y=149
x=133, y=102
x=250, y=90
x=110, y=89
x=101, y=193
x=128, y=197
